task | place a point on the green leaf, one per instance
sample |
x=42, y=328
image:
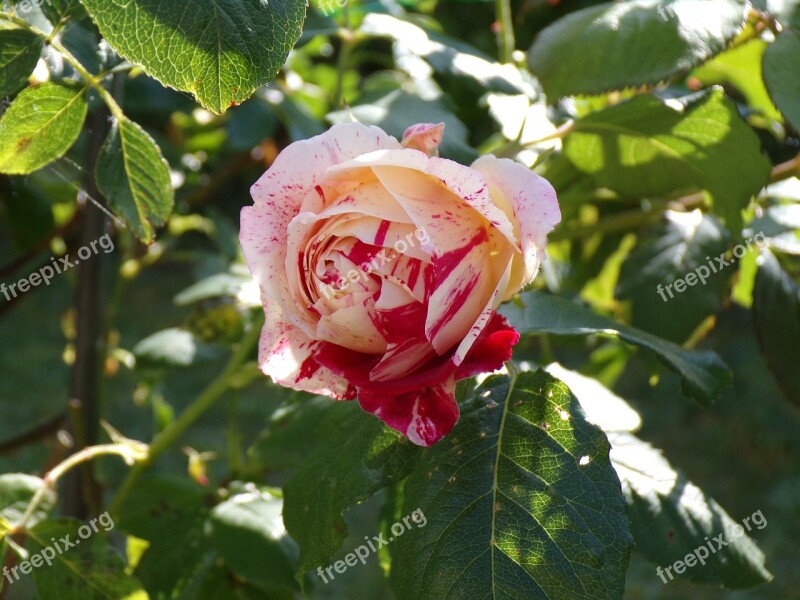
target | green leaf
x=170, y=513
x=40, y=126
x=135, y=179
x=645, y=147
x=397, y=110
x=445, y=54
x=355, y=455
x=89, y=569
x=283, y=445
x=776, y=308
x=521, y=501
x=704, y=375
x=219, y=50
x=247, y=530
x=629, y=44
x=221, y=285
x=782, y=72
x=16, y=492
x=665, y=253
x=171, y=348
x=741, y=66
x=671, y=518
x=19, y=53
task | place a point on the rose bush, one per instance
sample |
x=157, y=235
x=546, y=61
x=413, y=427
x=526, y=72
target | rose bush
x=381, y=267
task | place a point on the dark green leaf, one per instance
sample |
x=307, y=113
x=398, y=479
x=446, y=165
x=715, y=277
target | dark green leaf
x=40, y=126
x=19, y=53
x=219, y=50
x=355, y=455
x=629, y=44
x=704, y=375
x=170, y=514
x=644, y=147
x=782, y=73
x=668, y=252
x=671, y=518
x=283, y=444
x=521, y=501
x=776, y=308
x=247, y=530
x=90, y=569
x=135, y=179
x=16, y=492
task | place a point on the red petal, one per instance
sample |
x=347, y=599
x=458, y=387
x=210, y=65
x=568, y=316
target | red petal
x=424, y=416
x=491, y=349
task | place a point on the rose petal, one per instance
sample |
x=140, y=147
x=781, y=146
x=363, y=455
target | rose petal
x=424, y=137
x=491, y=349
x=279, y=193
x=424, y=416
x=287, y=355
x=528, y=200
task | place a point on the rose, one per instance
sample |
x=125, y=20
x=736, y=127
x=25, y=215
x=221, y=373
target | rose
x=350, y=315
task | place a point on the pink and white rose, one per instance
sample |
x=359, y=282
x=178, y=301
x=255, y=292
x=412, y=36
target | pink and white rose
x=381, y=267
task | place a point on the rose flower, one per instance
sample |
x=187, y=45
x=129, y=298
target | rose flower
x=381, y=267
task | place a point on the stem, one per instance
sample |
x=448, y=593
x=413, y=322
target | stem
x=128, y=452
x=90, y=79
x=506, y=42
x=82, y=493
x=348, y=40
x=173, y=432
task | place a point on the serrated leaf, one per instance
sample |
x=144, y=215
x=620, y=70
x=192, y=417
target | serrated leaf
x=169, y=513
x=16, y=492
x=247, y=530
x=776, y=309
x=782, y=73
x=40, y=126
x=644, y=147
x=19, y=53
x=671, y=518
x=703, y=375
x=135, y=179
x=665, y=253
x=630, y=44
x=355, y=456
x=521, y=501
x=282, y=444
x=219, y=50
x=89, y=569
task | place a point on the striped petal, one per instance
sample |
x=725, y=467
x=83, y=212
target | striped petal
x=424, y=416
x=529, y=201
